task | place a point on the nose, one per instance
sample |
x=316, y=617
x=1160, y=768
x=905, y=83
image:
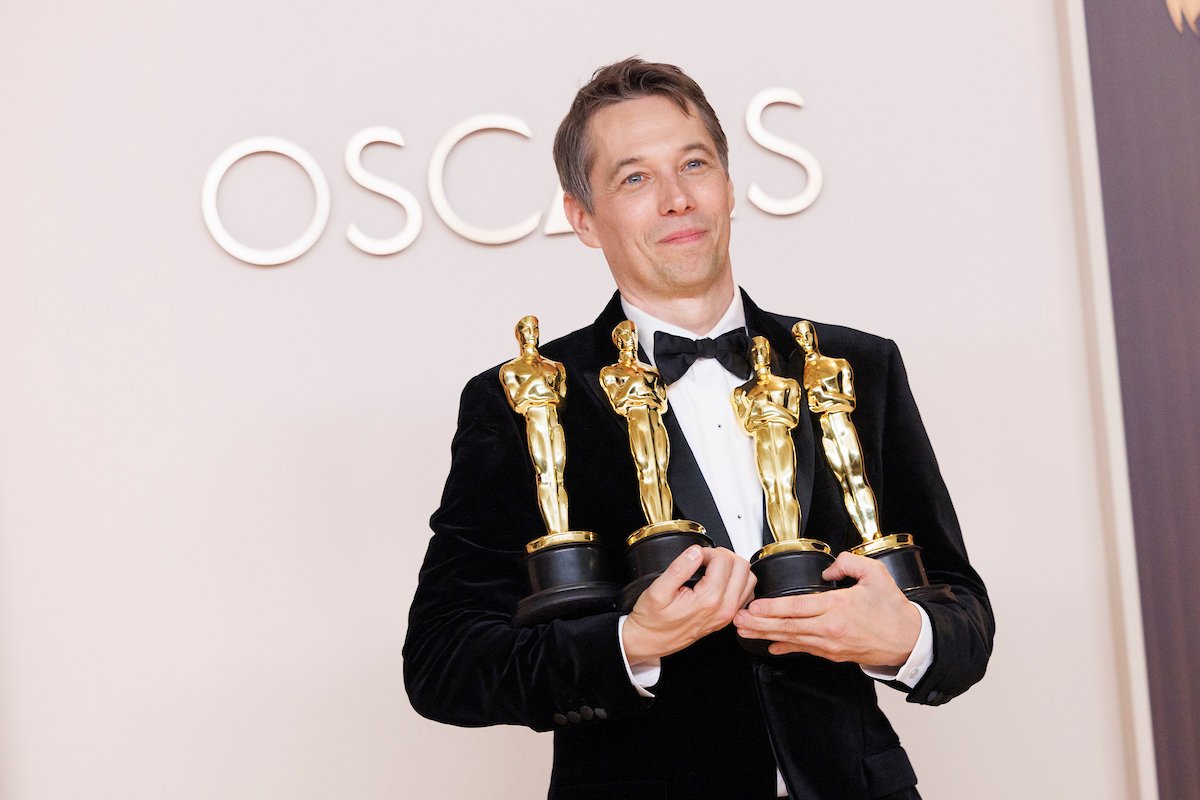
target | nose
x=675, y=197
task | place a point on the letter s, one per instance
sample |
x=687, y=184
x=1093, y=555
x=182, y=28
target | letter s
x=781, y=146
x=407, y=200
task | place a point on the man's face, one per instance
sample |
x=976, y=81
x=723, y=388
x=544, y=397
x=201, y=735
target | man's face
x=661, y=201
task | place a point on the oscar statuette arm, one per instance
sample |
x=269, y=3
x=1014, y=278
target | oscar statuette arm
x=914, y=499
x=464, y=662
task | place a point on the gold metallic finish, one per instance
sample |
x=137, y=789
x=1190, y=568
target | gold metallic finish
x=554, y=539
x=669, y=526
x=792, y=546
x=636, y=392
x=768, y=407
x=883, y=544
x=535, y=387
x=830, y=386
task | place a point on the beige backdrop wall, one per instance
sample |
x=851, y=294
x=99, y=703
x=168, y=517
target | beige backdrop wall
x=215, y=478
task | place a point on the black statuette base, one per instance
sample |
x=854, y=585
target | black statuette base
x=784, y=574
x=797, y=572
x=905, y=565
x=646, y=559
x=567, y=581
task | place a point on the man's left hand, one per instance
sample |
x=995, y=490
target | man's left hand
x=870, y=623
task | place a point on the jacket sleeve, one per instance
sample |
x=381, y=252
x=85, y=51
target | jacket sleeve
x=464, y=663
x=914, y=500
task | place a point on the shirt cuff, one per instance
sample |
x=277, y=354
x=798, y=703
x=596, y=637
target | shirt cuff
x=918, y=662
x=645, y=673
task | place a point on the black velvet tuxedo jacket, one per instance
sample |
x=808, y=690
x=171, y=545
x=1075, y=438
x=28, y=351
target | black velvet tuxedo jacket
x=721, y=719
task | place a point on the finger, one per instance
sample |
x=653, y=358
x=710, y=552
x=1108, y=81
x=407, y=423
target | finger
x=797, y=605
x=784, y=648
x=783, y=643
x=735, y=589
x=850, y=565
x=789, y=628
x=748, y=590
x=667, y=585
x=816, y=647
x=716, y=573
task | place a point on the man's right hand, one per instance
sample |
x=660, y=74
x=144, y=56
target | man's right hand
x=670, y=616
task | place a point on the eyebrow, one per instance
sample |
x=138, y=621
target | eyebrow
x=687, y=148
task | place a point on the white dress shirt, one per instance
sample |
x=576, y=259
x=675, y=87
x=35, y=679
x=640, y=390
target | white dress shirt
x=725, y=454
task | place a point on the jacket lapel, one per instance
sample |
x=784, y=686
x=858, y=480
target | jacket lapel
x=693, y=500
x=605, y=353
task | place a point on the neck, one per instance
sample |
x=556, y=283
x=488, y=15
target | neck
x=695, y=313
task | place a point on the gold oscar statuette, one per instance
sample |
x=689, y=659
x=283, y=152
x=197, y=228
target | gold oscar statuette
x=829, y=383
x=566, y=568
x=768, y=407
x=637, y=392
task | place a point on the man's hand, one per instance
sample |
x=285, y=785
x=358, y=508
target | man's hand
x=871, y=623
x=669, y=616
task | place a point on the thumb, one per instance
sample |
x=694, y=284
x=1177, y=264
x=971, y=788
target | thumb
x=678, y=572
x=850, y=565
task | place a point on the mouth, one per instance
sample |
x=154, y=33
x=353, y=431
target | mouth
x=685, y=236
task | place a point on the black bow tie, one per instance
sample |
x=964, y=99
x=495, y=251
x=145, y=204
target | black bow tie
x=674, y=355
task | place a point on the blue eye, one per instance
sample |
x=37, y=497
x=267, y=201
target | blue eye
x=635, y=178
x=695, y=163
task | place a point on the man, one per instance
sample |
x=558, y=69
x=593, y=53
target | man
x=663, y=703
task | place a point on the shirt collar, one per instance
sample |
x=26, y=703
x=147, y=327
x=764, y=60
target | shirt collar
x=647, y=324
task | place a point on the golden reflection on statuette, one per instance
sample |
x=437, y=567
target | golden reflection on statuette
x=768, y=408
x=830, y=386
x=636, y=392
x=535, y=386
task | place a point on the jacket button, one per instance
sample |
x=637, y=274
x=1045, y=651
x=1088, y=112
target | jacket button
x=573, y=717
x=601, y=713
x=586, y=712
x=560, y=719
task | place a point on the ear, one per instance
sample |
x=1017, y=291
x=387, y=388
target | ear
x=581, y=221
x=732, y=194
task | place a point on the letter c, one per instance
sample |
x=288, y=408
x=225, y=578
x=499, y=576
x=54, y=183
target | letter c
x=437, y=187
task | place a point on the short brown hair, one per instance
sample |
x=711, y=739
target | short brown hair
x=624, y=80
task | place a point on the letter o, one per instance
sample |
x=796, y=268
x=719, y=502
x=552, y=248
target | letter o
x=212, y=219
